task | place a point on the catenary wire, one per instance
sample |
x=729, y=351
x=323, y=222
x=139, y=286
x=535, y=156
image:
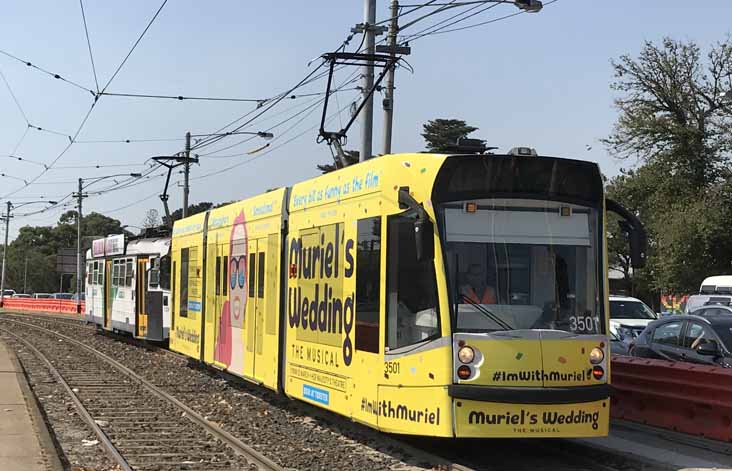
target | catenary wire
x=134, y=46
x=15, y=99
x=51, y=74
x=88, y=43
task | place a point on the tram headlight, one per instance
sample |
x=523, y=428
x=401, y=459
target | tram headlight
x=466, y=354
x=596, y=356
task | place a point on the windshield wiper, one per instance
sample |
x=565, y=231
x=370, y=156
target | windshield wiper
x=483, y=310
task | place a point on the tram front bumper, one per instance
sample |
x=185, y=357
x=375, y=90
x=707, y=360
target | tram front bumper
x=531, y=412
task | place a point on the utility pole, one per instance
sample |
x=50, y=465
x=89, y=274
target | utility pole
x=80, y=197
x=186, y=173
x=5, y=254
x=367, y=120
x=388, y=103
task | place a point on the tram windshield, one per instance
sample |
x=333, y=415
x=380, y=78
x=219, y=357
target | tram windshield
x=523, y=264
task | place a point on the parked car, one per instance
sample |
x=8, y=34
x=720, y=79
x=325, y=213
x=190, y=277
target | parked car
x=43, y=296
x=9, y=292
x=696, y=339
x=75, y=297
x=62, y=296
x=21, y=295
x=699, y=300
x=713, y=309
x=628, y=317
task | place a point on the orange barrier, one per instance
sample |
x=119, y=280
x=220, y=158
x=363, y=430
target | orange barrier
x=44, y=305
x=684, y=397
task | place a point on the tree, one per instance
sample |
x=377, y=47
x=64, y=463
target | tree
x=671, y=110
x=673, y=120
x=192, y=209
x=352, y=157
x=441, y=135
x=152, y=219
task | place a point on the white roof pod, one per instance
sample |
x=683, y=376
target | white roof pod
x=152, y=246
x=719, y=284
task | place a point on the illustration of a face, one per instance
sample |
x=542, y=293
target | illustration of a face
x=238, y=272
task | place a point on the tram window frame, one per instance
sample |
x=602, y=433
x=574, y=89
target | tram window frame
x=260, y=275
x=154, y=276
x=129, y=271
x=399, y=251
x=183, y=296
x=89, y=273
x=251, y=278
x=226, y=275
x=368, y=284
x=218, y=275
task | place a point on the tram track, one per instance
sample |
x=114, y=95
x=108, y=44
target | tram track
x=441, y=454
x=140, y=426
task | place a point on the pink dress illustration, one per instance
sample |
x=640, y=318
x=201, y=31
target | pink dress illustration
x=229, y=348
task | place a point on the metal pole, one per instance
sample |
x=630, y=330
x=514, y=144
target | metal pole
x=367, y=121
x=388, y=103
x=80, y=197
x=186, y=173
x=5, y=254
x=25, y=274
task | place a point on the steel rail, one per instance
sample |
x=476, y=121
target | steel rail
x=83, y=412
x=241, y=448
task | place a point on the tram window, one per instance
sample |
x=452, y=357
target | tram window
x=165, y=272
x=226, y=275
x=368, y=276
x=260, y=276
x=218, y=276
x=99, y=274
x=116, y=268
x=172, y=296
x=89, y=273
x=252, y=273
x=412, y=313
x=154, y=272
x=129, y=272
x=183, y=304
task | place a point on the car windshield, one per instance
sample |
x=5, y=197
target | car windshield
x=630, y=310
x=523, y=264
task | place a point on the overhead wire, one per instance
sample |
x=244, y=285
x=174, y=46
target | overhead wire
x=442, y=30
x=88, y=43
x=91, y=108
x=15, y=99
x=51, y=74
x=134, y=46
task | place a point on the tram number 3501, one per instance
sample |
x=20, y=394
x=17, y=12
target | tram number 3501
x=584, y=324
x=391, y=367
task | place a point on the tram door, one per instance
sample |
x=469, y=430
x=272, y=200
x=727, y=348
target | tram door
x=221, y=296
x=107, y=294
x=141, y=321
x=254, y=364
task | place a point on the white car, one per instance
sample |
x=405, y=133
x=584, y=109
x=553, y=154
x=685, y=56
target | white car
x=628, y=317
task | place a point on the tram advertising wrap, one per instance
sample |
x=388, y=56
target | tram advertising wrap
x=424, y=294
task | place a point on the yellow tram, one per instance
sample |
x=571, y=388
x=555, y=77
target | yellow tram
x=437, y=295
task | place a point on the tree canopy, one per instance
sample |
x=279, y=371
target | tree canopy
x=441, y=135
x=674, y=120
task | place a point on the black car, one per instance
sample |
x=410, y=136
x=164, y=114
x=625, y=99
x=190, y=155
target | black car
x=706, y=340
x=712, y=309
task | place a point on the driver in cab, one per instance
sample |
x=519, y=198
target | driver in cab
x=475, y=289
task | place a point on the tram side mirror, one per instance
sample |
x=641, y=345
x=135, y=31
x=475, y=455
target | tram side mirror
x=633, y=229
x=424, y=240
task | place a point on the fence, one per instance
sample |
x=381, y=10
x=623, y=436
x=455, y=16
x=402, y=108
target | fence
x=46, y=305
x=684, y=397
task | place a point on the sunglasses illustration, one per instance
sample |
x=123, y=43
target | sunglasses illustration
x=238, y=271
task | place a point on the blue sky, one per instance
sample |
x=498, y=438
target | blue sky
x=537, y=80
